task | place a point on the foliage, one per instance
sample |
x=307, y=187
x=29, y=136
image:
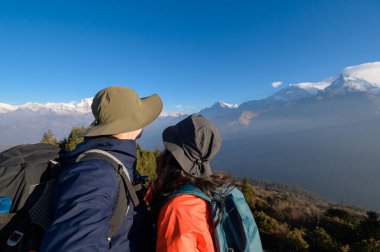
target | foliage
x=285, y=239
x=368, y=245
x=341, y=223
x=291, y=221
x=320, y=240
x=147, y=162
x=247, y=190
x=49, y=138
x=370, y=226
x=70, y=143
x=340, y=213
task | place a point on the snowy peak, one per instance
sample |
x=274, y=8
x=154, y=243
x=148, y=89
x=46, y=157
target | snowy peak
x=360, y=78
x=218, y=108
x=369, y=72
x=84, y=106
x=172, y=114
x=300, y=91
x=4, y=108
x=225, y=105
x=350, y=84
x=312, y=88
x=291, y=93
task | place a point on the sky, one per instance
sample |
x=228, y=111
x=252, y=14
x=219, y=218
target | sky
x=192, y=53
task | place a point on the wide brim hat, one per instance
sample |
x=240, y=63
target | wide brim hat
x=193, y=142
x=119, y=109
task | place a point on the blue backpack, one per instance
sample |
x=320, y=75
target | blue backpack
x=237, y=230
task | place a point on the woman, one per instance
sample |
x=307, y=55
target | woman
x=185, y=222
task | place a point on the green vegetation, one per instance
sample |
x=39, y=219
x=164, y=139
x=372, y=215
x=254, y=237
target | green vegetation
x=289, y=218
x=72, y=140
x=292, y=219
x=147, y=162
x=49, y=138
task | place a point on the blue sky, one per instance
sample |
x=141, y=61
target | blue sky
x=192, y=53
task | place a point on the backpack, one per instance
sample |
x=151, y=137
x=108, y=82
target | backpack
x=237, y=230
x=28, y=174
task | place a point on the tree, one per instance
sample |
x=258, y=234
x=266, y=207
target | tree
x=71, y=142
x=48, y=138
x=147, y=162
x=320, y=240
x=342, y=224
x=340, y=213
x=247, y=190
x=370, y=245
x=370, y=226
x=295, y=241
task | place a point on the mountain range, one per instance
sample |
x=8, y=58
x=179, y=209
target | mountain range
x=323, y=136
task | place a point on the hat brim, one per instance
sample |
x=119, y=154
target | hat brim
x=151, y=109
x=174, y=145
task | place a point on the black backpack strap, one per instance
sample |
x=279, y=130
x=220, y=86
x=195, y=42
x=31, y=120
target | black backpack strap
x=126, y=189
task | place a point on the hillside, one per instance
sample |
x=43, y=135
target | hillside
x=292, y=219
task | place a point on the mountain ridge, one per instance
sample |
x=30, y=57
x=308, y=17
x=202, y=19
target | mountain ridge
x=360, y=78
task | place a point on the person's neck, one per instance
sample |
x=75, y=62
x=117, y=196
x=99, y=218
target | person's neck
x=132, y=135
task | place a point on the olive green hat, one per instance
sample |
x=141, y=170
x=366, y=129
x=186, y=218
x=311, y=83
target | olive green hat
x=119, y=109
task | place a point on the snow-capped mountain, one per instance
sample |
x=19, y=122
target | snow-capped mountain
x=70, y=108
x=227, y=105
x=84, y=106
x=5, y=108
x=291, y=93
x=369, y=72
x=313, y=88
x=218, y=108
x=360, y=78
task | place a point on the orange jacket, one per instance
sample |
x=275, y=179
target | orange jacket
x=184, y=225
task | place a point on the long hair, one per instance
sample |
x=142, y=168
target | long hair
x=170, y=177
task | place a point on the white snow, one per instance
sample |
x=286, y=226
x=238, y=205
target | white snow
x=172, y=114
x=363, y=78
x=84, y=106
x=369, y=72
x=4, y=108
x=228, y=105
x=315, y=85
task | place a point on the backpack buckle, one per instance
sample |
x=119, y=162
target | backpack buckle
x=14, y=238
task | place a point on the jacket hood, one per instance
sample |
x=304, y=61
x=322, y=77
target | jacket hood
x=124, y=150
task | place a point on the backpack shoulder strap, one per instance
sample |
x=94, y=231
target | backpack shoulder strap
x=118, y=166
x=126, y=189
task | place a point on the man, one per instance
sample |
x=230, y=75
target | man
x=85, y=196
